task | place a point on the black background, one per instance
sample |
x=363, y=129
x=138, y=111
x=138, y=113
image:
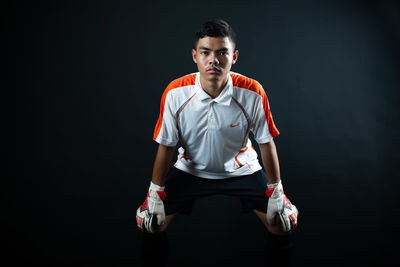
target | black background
x=82, y=86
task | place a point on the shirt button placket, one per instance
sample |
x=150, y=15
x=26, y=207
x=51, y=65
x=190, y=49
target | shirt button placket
x=211, y=121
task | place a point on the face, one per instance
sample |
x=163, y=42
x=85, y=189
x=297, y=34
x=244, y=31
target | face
x=214, y=57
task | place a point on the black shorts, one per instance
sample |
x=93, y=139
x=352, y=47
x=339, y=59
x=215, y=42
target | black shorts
x=183, y=189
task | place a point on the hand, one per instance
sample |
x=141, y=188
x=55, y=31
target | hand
x=279, y=204
x=151, y=214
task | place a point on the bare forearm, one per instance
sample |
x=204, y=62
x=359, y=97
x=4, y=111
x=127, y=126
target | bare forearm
x=270, y=160
x=162, y=163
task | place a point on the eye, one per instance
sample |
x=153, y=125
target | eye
x=204, y=53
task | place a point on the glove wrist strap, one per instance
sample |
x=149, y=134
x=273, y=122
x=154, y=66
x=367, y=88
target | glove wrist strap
x=274, y=185
x=271, y=188
x=153, y=186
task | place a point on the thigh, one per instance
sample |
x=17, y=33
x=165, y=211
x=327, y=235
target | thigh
x=168, y=220
x=275, y=229
x=250, y=189
x=183, y=189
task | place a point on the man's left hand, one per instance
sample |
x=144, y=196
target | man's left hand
x=279, y=204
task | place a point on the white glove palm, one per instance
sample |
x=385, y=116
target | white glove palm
x=152, y=207
x=279, y=204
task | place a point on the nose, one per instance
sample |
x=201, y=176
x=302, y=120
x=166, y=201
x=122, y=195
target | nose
x=213, y=60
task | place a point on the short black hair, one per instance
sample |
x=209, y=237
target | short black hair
x=215, y=28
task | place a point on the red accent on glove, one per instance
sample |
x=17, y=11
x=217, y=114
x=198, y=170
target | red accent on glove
x=293, y=216
x=269, y=191
x=161, y=194
x=139, y=221
x=144, y=205
x=286, y=203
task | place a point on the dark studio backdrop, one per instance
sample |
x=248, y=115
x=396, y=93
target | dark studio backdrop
x=80, y=100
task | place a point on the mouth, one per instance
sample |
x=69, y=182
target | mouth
x=213, y=70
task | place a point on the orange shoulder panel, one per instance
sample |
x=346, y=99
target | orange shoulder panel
x=180, y=82
x=252, y=85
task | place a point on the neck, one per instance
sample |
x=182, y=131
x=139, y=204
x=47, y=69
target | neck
x=213, y=87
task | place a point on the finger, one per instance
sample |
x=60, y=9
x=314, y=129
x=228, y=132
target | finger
x=293, y=220
x=160, y=219
x=149, y=226
x=271, y=218
x=294, y=216
x=285, y=222
x=295, y=210
x=293, y=224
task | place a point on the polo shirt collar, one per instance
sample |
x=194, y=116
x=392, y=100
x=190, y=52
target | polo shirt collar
x=224, y=97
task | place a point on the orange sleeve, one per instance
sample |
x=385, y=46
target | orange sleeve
x=271, y=125
x=180, y=82
x=157, y=129
x=252, y=85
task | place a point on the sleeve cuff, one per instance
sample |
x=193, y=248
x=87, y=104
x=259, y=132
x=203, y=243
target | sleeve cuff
x=264, y=140
x=166, y=142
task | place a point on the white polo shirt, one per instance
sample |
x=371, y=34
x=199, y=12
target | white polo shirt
x=214, y=133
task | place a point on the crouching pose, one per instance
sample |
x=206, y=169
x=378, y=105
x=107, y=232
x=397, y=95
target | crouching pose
x=211, y=113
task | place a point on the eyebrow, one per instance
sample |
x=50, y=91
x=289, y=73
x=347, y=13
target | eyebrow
x=208, y=49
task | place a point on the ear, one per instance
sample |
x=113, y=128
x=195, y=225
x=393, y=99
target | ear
x=235, y=56
x=194, y=53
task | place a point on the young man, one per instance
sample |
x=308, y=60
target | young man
x=211, y=113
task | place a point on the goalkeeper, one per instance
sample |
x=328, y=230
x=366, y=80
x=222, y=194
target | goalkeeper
x=211, y=113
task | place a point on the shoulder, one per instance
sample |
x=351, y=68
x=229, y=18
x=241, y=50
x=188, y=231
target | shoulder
x=179, y=90
x=243, y=82
x=183, y=81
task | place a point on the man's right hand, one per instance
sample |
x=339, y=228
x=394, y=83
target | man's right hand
x=151, y=213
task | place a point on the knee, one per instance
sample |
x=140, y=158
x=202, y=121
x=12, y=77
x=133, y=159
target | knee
x=162, y=228
x=277, y=228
